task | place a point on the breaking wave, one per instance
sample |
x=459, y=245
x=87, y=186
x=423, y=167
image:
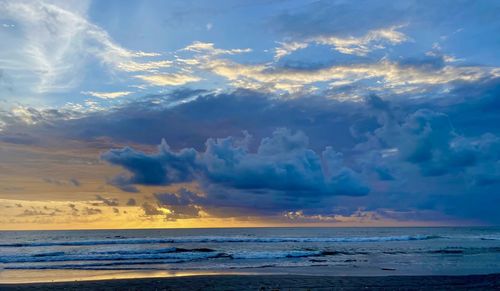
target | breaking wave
x=223, y=240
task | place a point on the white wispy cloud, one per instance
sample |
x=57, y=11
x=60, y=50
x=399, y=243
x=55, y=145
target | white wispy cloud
x=351, y=45
x=287, y=48
x=132, y=66
x=107, y=95
x=209, y=48
x=374, y=39
x=172, y=79
x=55, y=42
x=200, y=54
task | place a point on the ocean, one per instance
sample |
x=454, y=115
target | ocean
x=37, y=256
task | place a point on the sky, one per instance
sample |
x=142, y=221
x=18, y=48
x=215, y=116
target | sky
x=151, y=114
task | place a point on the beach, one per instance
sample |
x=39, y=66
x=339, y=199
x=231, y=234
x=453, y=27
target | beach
x=277, y=282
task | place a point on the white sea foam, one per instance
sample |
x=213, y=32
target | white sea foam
x=115, y=257
x=224, y=239
x=273, y=254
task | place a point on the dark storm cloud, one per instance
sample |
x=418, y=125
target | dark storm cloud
x=164, y=168
x=475, y=107
x=425, y=162
x=428, y=139
x=282, y=162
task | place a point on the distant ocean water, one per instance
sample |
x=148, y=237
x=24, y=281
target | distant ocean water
x=320, y=251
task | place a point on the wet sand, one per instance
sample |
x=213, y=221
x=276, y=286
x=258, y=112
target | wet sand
x=277, y=282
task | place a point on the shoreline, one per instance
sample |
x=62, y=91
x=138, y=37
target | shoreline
x=275, y=282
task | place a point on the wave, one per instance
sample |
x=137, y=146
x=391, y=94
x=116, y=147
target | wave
x=117, y=257
x=274, y=254
x=51, y=254
x=148, y=266
x=490, y=237
x=173, y=254
x=154, y=251
x=236, y=239
x=466, y=251
x=173, y=258
x=113, y=267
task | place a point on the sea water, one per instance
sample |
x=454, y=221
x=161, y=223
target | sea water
x=30, y=256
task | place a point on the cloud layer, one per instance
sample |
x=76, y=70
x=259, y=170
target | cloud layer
x=321, y=111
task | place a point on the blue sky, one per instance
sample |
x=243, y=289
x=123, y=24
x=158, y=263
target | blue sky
x=377, y=112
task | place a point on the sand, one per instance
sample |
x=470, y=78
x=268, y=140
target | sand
x=277, y=282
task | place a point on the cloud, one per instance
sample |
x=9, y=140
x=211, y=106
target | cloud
x=186, y=68
x=36, y=212
x=164, y=168
x=359, y=46
x=72, y=182
x=107, y=201
x=53, y=181
x=70, y=38
x=195, y=120
x=182, y=198
x=427, y=139
x=107, y=95
x=75, y=182
x=384, y=75
x=91, y=211
x=282, y=165
x=181, y=205
x=287, y=48
x=151, y=210
x=173, y=79
x=363, y=45
x=210, y=49
x=55, y=43
x=122, y=182
x=184, y=204
x=152, y=66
